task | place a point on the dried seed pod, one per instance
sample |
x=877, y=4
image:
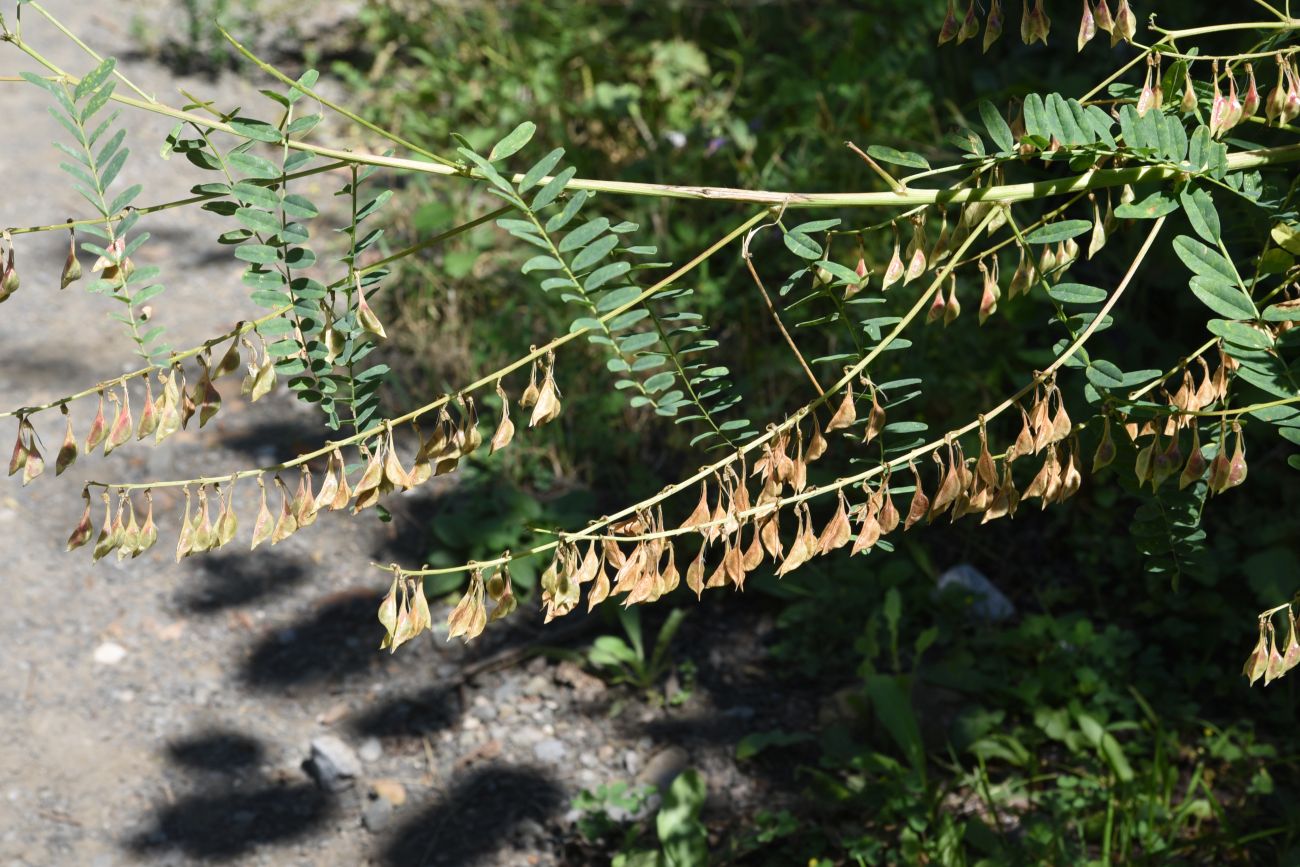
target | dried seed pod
x=769, y=530
x=9, y=281
x=505, y=428
x=951, y=485
x=1166, y=462
x=264, y=525
x=1125, y=26
x=920, y=506
x=34, y=465
x=895, y=270
x=120, y=432
x=1257, y=663
x=989, y=299
x=287, y=524
x=993, y=24
x=366, y=317
x=130, y=533
x=367, y=489
x=816, y=442
x=469, y=617
x=304, y=499
x=1147, y=98
x=1101, y=10
x=935, y=313
x=1105, y=449
x=951, y=307
x=204, y=538
x=1196, y=464
x=837, y=532
x=105, y=543
x=81, y=533
x=547, y=407
x=71, y=266
x=868, y=529
x=148, y=531
x=799, y=552
x=916, y=248
x=887, y=516
x=169, y=410
x=1087, y=25
x=1023, y=278
x=500, y=589
x=1274, y=670
x=1237, y=464
x=847, y=413
x=875, y=419
x=185, y=540
x=210, y=403
x=98, y=428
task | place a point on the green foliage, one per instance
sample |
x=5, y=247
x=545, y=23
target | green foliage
x=626, y=660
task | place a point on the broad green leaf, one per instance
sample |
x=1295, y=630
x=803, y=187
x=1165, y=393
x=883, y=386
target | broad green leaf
x=897, y=157
x=584, y=234
x=1240, y=333
x=1223, y=298
x=616, y=298
x=253, y=166
x=551, y=191
x=1076, y=293
x=636, y=342
x=996, y=126
x=1198, y=204
x=1157, y=203
x=1104, y=374
x=542, y=263
x=802, y=245
x=256, y=129
x=1286, y=311
x=258, y=220
x=593, y=253
x=1058, y=231
x=605, y=274
x=514, y=141
x=1204, y=260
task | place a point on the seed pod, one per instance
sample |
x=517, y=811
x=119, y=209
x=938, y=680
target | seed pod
x=264, y=524
x=876, y=418
x=287, y=524
x=1125, y=26
x=991, y=294
x=1101, y=11
x=120, y=432
x=1166, y=462
x=1218, y=106
x=81, y=533
x=935, y=313
x=1291, y=106
x=1023, y=278
x=547, y=407
x=169, y=413
x=1087, y=26
x=1257, y=662
x=1237, y=464
x=868, y=529
x=916, y=251
x=970, y=25
x=366, y=317
x=1250, y=105
x=71, y=267
x=951, y=307
x=1196, y=463
x=1105, y=449
x=98, y=428
x=148, y=531
x=505, y=428
x=1233, y=113
x=1147, y=98
x=895, y=270
x=204, y=538
x=9, y=281
x=993, y=24
x=304, y=499
x=950, y=486
x=847, y=413
x=837, y=532
x=950, y=27
x=469, y=617
x=68, y=451
x=105, y=542
x=920, y=505
x=816, y=442
x=185, y=540
x=799, y=552
x=1274, y=670
x=1189, y=102
x=1275, y=103
x=367, y=489
x=769, y=530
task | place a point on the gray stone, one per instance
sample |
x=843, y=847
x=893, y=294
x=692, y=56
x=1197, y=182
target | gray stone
x=371, y=750
x=663, y=767
x=551, y=751
x=376, y=814
x=631, y=761
x=987, y=602
x=537, y=685
x=334, y=764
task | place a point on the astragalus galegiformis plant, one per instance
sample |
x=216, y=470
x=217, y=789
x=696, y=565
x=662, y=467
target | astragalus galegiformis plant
x=1155, y=150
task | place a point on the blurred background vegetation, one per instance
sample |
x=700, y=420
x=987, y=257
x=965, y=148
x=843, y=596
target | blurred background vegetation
x=1105, y=721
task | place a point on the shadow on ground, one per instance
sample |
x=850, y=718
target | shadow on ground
x=230, y=808
x=476, y=817
x=239, y=578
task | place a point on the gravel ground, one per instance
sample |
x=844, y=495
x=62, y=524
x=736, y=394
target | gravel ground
x=164, y=714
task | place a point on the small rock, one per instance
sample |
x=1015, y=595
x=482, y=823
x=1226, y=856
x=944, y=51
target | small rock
x=987, y=602
x=584, y=685
x=109, y=653
x=506, y=692
x=663, y=767
x=334, y=764
x=470, y=723
x=376, y=814
x=537, y=685
x=484, y=711
x=552, y=751
x=740, y=712
x=631, y=762
x=371, y=750
x=390, y=790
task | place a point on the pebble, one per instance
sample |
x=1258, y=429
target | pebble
x=371, y=750
x=537, y=685
x=390, y=790
x=376, y=814
x=109, y=653
x=663, y=767
x=335, y=763
x=551, y=751
x=631, y=761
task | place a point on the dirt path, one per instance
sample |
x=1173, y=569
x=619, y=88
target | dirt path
x=155, y=713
